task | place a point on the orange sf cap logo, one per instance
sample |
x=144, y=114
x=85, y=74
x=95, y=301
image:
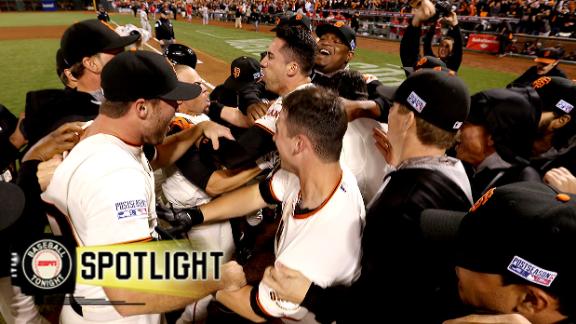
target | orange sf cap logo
x=339, y=24
x=541, y=82
x=236, y=72
x=482, y=201
x=422, y=61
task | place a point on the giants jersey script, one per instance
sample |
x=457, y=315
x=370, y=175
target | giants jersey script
x=105, y=190
x=324, y=243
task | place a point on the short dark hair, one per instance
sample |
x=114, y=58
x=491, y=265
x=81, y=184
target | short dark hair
x=300, y=46
x=114, y=109
x=350, y=84
x=430, y=134
x=317, y=113
x=77, y=70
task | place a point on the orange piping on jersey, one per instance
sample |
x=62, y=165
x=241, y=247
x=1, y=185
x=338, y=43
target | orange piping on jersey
x=317, y=209
x=140, y=240
x=265, y=128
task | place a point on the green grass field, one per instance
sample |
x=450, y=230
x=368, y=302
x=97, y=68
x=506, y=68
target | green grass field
x=29, y=64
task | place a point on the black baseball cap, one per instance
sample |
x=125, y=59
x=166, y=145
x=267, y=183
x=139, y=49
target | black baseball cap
x=90, y=37
x=297, y=20
x=13, y=202
x=345, y=33
x=144, y=74
x=523, y=230
x=181, y=54
x=549, y=55
x=243, y=70
x=556, y=94
x=438, y=97
x=510, y=119
x=428, y=62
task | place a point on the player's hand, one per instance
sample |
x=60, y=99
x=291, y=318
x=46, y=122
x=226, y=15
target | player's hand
x=451, y=19
x=561, y=179
x=213, y=131
x=423, y=12
x=357, y=109
x=62, y=139
x=384, y=146
x=17, y=138
x=233, y=277
x=256, y=111
x=289, y=284
x=46, y=170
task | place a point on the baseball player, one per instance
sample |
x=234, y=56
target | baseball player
x=322, y=208
x=206, y=181
x=144, y=22
x=449, y=48
x=114, y=200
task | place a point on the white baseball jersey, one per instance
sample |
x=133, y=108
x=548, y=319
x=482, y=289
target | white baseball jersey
x=105, y=189
x=360, y=154
x=324, y=244
x=177, y=189
x=182, y=193
x=217, y=236
x=268, y=121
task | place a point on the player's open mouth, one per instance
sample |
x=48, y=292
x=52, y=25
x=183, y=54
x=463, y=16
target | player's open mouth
x=324, y=51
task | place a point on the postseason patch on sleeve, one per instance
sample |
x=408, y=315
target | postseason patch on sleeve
x=131, y=208
x=531, y=272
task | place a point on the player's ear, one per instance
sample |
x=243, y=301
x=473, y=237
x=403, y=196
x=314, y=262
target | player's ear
x=141, y=108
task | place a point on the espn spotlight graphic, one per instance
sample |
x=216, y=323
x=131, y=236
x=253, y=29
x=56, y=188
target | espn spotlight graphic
x=50, y=266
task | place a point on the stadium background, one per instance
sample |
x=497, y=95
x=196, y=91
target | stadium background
x=28, y=42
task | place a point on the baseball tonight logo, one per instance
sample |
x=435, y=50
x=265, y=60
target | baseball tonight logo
x=47, y=264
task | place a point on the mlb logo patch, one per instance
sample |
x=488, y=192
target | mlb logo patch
x=564, y=106
x=531, y=272
x=131, y=208
x=457, y=125
x=416, y=102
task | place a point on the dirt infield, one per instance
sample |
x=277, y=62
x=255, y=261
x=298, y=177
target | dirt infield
x=34, y=32
x=216, y=70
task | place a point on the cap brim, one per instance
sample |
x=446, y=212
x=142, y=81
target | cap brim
x=183, y=91
x=544, y=60
x=122, y=42
x=328, y=28
x=440, y=224
x=13, y=201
